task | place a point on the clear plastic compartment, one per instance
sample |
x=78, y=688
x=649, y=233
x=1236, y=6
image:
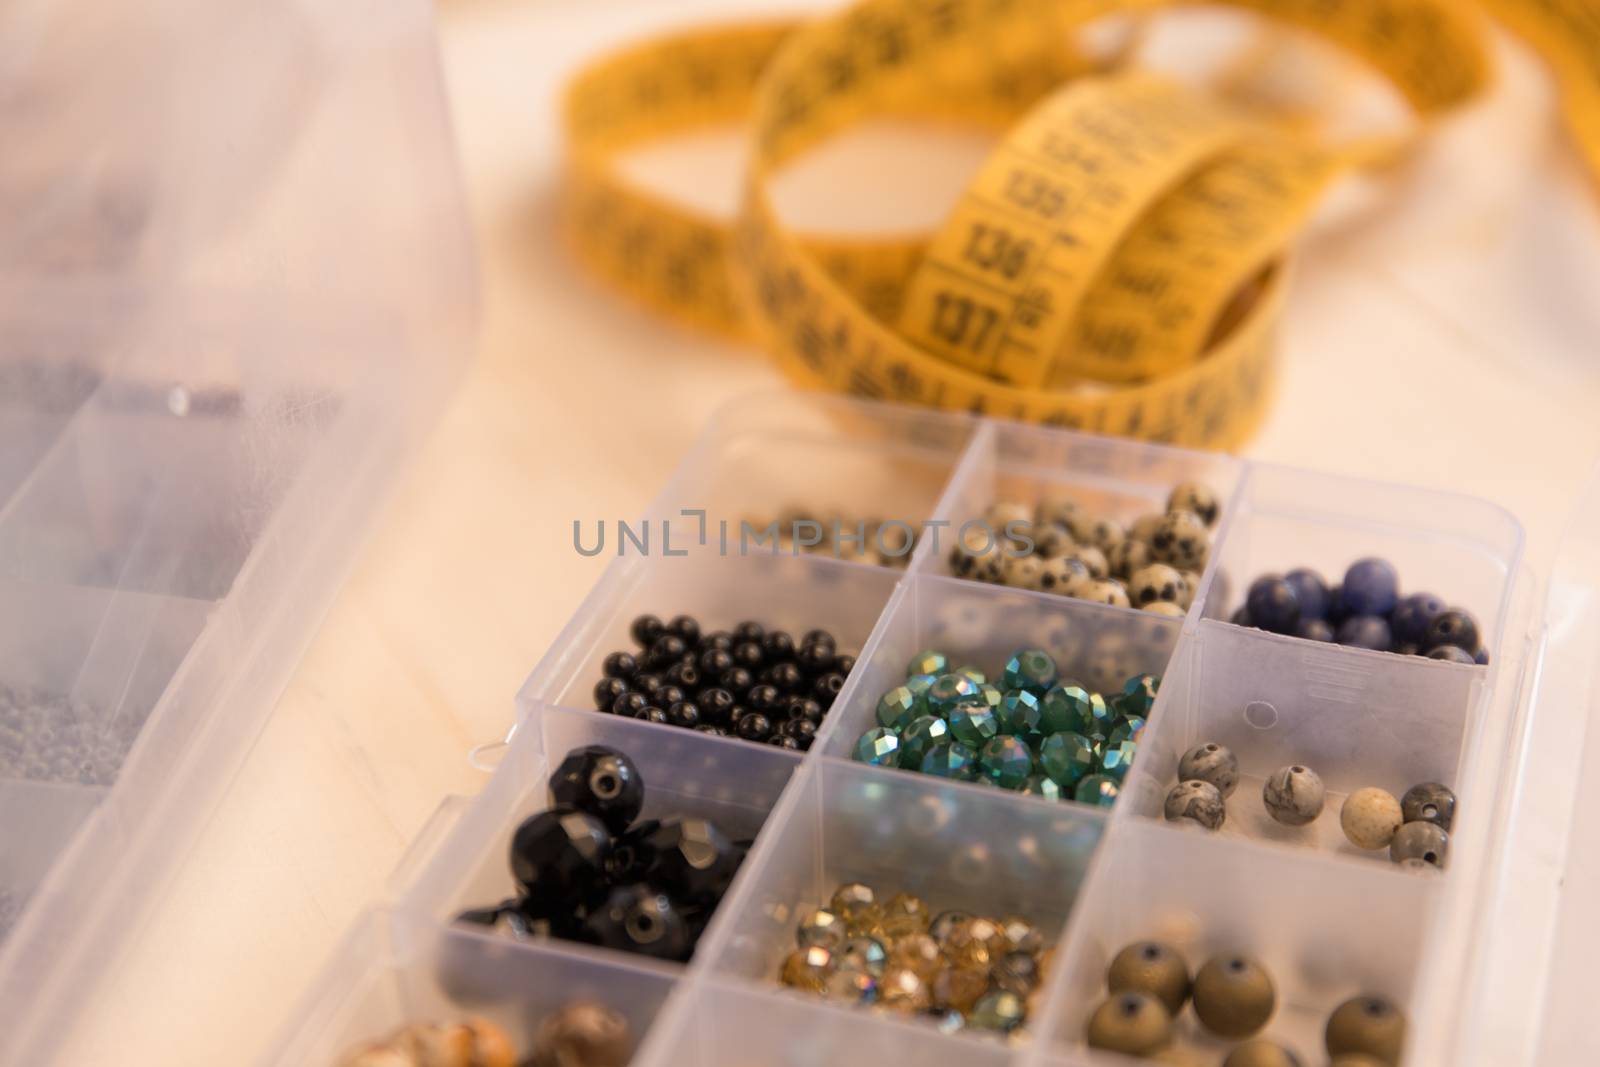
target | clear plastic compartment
x=1092, y=877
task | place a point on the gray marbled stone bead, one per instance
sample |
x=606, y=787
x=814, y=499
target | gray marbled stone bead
x=1197, y=801
x=1294, y=795
x=1429, y=802
x=1420, y=841
x=1211, y=762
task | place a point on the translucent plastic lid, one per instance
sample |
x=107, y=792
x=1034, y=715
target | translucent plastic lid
x=235, y=283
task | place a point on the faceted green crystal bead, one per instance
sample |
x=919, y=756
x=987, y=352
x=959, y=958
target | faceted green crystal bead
x=1097, y=789
x=969, y=671
x=1029, y=668
x=879, y=746
x=1068, y=758
x=898, y=707
x=973, y=724
x=1073, y=707
x=1129, y=729
x=990, y=695
x=1117, y=757
x=1040, y=785
x=1138, y=696
x=1021, y=715
x=927, y=662
x=919, y=684
x=921, y=735
x=953, y=760
x=1006, y=761
x=949, y=692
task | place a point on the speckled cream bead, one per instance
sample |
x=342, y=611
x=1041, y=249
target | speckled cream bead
x=1370, y=817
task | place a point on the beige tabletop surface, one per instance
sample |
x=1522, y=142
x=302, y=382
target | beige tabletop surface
x=1440, y=333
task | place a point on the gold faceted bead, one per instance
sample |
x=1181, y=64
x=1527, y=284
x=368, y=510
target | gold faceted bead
x=821, y=927
x=1021, y=935
x=958, y=988
x=1133, y=1023
x=1233, y=996
x=975, y=943
x=945, y=923
x=858, y=906
x=903, y=990
x=905, y=914
x=1016, y=972
x=1367, y=1026
x=865, y=954
x=1150, y=967
x=582, y=1032
x=808, y=968
x=851, y=986
x=919, y=954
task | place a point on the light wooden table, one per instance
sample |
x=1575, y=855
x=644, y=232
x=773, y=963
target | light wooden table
x=1440, y=334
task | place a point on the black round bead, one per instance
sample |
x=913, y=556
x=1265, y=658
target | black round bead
x=785, y=676
x=669, y=695
x=802, y=730
x=601, y=782
x=646, y=630
x=826, y=688
x=735, y=713
x=708, y=728
x=754, y=726
x=686, y=627
x=814, y=658
x=715, y=705
x=684, y=674
x=818, y=637
x=648, y=684
x=667, y=650
x=749, y=631
x=620, y=665
x=638, y=918
x=748, y=655
x=737, y=681
x=764, y=698
x=802, y=707
x=630, y=704
x=717, y=639
x=558, y=858
x=778, y=645
x=691, y=859
x=606, y=692
x=683, y=713
x=715, y=662
x=781, y=741
x=844, y=664
x=652, y=714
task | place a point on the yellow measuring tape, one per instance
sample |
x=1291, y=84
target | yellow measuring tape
x=1118, y=264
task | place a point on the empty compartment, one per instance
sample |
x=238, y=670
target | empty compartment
x=389, y=974
x=1356, y=718
x=732, y=783
x=1463, y=550
x=985, y=852
x=775, y=458
x=722, y=1024
x=1323, y=931
x=981, y=626
x=794, y=594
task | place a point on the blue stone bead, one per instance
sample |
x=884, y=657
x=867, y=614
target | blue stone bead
x=1273, y=604
x=954, y=760
x=1241, y=616
x=1412, y=616
x=879, y=747
x=1315, y=630
x=949, y=692
x=1312, y=591
x=1021, y=715
x=1482, y=657
x=1029, y=668
x=1371, y=587
x=1366, y=631
x=1453, y=627
x=921, y=736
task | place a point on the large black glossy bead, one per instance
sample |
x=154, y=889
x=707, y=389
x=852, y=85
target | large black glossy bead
x=668, y=695
x=601, y=782
x=667, y=650
x=749, y=630
x=826, y=687
x=815, y=658
x=715, y=662
x=748, y=655
x=558, y=859
x=652, y=714
x=684, y=674
x=1453, y=627
x=606, y=692
x=686, y=627
x=715, y=706
x=717, y=639
x=684, y=713
x=646, y=630
x=844, y=664
x=754, y=726
x=713, y=730
x=778, y=645
x=737, y=681
x=802, y=730
x=786, y=676
x=784, y=741
x=803, y=707
x=648, y=684
x=819, y=637
x=764, y=698
x=630, y=704
x=620, y=665
x=639, y=918
x=691, y=859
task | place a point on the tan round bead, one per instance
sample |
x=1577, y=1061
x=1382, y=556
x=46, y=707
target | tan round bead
x=808, y=968
x=1021, y=935
x=1370, y=817
x=1233, y=996
x=904, y=915
x=918, y=953
x=858, y=906
x=975, y=943
x=903, y=990
x=821, y=927
x=1153, y=968
x=958, y=988
x=1132, y=1023
x=1259, y=1052
x=583, y=1032
x=1367, y=1026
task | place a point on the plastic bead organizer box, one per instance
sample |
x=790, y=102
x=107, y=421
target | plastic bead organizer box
x=1327, y=922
